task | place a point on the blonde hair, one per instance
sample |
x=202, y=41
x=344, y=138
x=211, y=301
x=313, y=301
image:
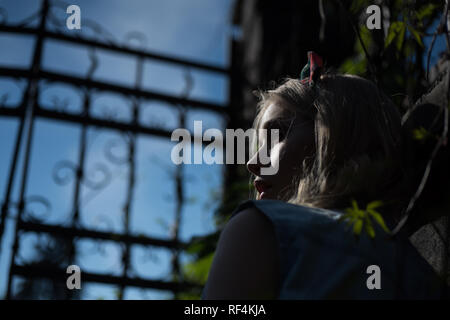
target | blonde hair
x=358, y=142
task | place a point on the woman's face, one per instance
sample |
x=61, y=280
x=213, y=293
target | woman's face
x=296, y=142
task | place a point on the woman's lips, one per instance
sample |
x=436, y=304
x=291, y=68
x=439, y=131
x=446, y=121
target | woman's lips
x=262, y=187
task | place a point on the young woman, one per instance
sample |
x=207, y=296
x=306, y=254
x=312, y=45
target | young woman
x=340, y=140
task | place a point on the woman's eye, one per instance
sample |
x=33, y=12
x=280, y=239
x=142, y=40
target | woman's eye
x=282, y=129
x=282, y=132
x=270, y=142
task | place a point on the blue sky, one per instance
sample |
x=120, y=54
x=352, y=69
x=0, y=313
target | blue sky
x=196, y=30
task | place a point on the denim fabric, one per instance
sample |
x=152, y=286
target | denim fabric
x=320, y=258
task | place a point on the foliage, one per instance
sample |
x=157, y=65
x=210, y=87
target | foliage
x=198, y=269
x=359, y=218
x=396, y=52
x=420, y=133
x=392, y=57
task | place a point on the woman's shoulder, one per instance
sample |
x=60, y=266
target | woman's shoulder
x=245, y=264
x=293, y=223
x=289, y=215
x=303, y=226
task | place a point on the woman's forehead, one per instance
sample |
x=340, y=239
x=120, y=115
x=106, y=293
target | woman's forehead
x=276, y=109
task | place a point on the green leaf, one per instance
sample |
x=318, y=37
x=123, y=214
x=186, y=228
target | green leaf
x=198, y=270
x=409, y=48
x=396, y=30
x=354, y=65
x=357, y=217
x=355, y=206
x=357, y=227
x=379, y=219
x=401, y=37
x=420, y=133
x=366, y=36
x=187, y=296
x=416, y=34
x=369, y=228
x=374, y=204
x=354, y=211
x=391, y=34
x=426, y=11
x=195, y=247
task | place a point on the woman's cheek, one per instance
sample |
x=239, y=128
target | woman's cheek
x=276, y=154
x=291, y=153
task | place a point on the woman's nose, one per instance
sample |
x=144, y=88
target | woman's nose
x=253, y=168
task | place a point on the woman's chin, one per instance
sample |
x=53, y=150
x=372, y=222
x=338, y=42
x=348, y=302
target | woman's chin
x=264, y=196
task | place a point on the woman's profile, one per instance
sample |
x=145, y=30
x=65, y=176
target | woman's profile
x=341, y=142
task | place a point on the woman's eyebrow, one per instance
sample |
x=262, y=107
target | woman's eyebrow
x=276, y=122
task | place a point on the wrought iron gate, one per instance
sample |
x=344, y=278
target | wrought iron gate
x=29, y=109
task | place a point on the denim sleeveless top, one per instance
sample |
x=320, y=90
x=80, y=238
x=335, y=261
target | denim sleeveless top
x=321, y=258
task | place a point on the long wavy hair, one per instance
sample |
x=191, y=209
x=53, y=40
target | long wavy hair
x=358, y=143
